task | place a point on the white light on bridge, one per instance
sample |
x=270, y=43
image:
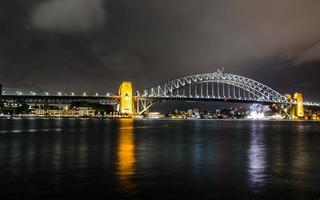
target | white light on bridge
x=84, y=94
x=59, y=93
x=72, y=93
x=46, y=93
x=97, y=94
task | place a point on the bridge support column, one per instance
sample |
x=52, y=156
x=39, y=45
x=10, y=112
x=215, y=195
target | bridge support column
x=296, y=110
x=299, y=110
x=126, y=98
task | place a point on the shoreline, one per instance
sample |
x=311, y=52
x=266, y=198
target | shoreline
x=163, y=118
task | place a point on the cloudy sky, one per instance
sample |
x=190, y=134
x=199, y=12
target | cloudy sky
x=92, y=45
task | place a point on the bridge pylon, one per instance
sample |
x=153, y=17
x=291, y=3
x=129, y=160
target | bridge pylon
x=126, y=98
x=296, y=110
x=299, y=109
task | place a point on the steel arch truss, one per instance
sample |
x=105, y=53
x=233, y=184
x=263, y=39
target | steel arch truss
x=257, y=91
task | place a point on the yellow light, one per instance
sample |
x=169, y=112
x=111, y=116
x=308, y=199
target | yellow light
x=299, y=107
x=126, y=154
x=126, y=101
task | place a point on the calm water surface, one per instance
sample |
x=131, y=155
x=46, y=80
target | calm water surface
x=159, y=159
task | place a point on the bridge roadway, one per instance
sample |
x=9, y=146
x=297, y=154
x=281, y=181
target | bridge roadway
x=115, y=99
x=56, y=99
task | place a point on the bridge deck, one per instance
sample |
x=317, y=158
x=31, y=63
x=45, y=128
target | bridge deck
x=115, y=99
x=58, y=99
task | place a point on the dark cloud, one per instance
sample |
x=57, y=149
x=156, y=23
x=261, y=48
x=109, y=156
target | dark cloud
x=307, y=55
x=69, y=16
x=94, y=44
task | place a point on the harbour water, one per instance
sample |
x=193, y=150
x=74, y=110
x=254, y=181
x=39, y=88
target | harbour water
x=159, y=159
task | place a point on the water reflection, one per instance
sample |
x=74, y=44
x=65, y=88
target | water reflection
x=126, y=154
x=149, y=159
x=257, y=157
x=299, y=156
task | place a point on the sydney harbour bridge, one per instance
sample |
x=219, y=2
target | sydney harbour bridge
x=216, y=86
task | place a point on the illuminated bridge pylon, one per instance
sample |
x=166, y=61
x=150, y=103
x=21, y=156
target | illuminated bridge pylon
x=215, y=86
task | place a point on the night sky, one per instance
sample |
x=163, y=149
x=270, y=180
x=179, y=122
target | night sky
x=92, y=45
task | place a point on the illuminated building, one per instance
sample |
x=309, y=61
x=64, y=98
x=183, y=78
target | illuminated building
x=154, y=115
x=86, y=112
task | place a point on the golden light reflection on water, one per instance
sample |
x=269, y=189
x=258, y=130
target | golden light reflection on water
x=126, y=154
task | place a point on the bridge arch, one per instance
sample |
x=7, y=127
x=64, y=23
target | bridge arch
x=257, y=91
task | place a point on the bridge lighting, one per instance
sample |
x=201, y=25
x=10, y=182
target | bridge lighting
x=59, y=94
x=84, y=94
x=108, y=94
x=97, y=94
x=72, y=94
x=33, y=93
x=46, y=93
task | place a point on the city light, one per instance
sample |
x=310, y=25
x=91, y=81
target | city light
x=59, y=93
x=257, y=112
x=256, y=115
